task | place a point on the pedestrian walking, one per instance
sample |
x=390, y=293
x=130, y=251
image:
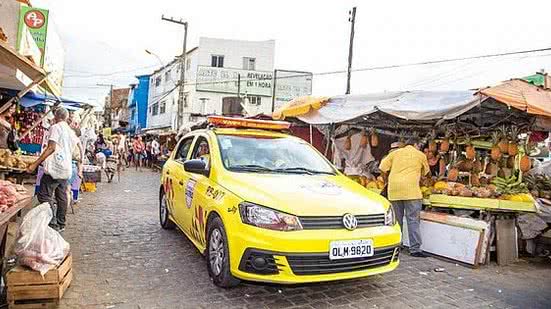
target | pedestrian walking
x=402, y=170
x=139, y=149
x=57, y=162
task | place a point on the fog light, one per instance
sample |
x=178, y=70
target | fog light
x=259, y=263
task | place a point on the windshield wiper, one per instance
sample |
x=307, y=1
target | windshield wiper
x=251, y=168
x=302, y=170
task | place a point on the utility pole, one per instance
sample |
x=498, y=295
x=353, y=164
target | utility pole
x=352, y=20
x=107, y=107
x=181, y=98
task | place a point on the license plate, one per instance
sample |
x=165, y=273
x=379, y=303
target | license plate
x=349, y=249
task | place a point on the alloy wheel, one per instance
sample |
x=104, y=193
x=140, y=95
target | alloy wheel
x=216, y=252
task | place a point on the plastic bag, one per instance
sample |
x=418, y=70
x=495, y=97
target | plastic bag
x=39, y=246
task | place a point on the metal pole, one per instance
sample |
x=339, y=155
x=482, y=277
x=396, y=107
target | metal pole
x=181, y=98
x=352, y=20
x=239, y=87
x=274, y=90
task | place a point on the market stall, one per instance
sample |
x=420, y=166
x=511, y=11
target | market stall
x=477, y=145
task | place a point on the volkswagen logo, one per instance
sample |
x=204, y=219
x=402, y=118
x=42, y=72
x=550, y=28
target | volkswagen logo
x=350, y=222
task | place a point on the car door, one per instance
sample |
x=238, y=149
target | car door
x=179, y=179
x=202, y=186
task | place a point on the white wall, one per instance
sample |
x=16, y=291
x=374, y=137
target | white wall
x=9, y=20
x=234, y=51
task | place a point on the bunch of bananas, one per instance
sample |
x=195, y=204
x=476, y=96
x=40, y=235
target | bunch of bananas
x=509, y=185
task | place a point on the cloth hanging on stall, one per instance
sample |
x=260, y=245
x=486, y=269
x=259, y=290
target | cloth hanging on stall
x=355, y=159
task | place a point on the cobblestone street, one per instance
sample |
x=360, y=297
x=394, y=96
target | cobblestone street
x=123, y=259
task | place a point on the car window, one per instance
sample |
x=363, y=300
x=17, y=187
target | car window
x=183, y=149
x=271, y=154
x=201, y=148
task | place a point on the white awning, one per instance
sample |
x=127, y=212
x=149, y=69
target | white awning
x=410, y=105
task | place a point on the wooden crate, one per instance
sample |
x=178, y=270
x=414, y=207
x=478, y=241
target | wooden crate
x=27, y=289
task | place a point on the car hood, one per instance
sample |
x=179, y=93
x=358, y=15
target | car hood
x=305, y=195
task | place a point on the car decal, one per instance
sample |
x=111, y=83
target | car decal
x=215, y=194
x=190, y=188
x=169, y=193
x=198, y=225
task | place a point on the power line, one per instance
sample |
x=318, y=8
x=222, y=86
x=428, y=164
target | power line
x=381, y=67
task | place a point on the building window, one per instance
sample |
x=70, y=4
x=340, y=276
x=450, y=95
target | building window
x=162, y=109
x=217, y=61
x=249, y=63
x=254, y=100
x=158, y=81
x=155, y=109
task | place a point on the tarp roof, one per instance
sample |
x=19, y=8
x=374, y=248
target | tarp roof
x=410, y=105
x=522, y=95
x=538, y=79
x=32, y=98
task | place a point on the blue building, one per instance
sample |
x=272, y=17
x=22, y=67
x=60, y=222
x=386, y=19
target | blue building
x=137, y=103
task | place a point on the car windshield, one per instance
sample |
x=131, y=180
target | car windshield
x=262, y=154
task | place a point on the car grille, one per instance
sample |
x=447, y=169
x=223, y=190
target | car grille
x=319, y=264
x=335, y=222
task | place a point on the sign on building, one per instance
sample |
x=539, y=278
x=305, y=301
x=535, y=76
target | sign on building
x=290, y=85
x=225, y=80
x=35, y=21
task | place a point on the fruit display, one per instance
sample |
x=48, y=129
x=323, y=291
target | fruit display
x=371, y=182
x=539, y=185
x=25, y=119
x=509, y=186
x=10, y=160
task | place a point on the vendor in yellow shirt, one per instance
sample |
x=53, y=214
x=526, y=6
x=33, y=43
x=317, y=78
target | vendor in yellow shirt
x=402, y=170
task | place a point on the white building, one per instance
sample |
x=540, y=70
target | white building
x=213, y=70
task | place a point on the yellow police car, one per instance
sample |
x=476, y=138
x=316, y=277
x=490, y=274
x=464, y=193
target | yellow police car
x=265, y=206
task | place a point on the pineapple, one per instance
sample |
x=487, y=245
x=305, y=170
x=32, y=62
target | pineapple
x=511, y=161
x=442, y=167
x=477, y=165
x=374, y=138
x=525, y=163
x=363, y=140
x=504, y=142
x=348, y=142
x=495, y=153
x=445, y=145
x=512, y=148
x=432, y=142
x=469, y=149
x=475, y=180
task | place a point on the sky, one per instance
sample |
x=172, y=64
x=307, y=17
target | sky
x=105, y=40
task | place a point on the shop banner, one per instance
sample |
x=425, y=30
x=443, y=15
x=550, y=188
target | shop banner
x=224, y=80
x=290, y=85
x=36, y=21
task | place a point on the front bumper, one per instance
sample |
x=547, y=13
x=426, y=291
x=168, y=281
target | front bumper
x=302, y=256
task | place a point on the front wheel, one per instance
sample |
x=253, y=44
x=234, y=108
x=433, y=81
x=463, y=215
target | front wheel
x=218, y=260
x=164, y=216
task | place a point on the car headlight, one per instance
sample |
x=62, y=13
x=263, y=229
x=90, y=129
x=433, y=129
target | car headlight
x=390, y=219
x=268, y=218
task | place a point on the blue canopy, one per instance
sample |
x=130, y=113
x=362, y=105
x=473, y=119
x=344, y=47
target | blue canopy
x=34, y=98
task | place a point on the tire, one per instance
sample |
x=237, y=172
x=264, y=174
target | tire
x=164, y=216
x=218, y=262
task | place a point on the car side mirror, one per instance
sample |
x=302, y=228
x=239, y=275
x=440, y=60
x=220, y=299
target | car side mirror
x=196, y=166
